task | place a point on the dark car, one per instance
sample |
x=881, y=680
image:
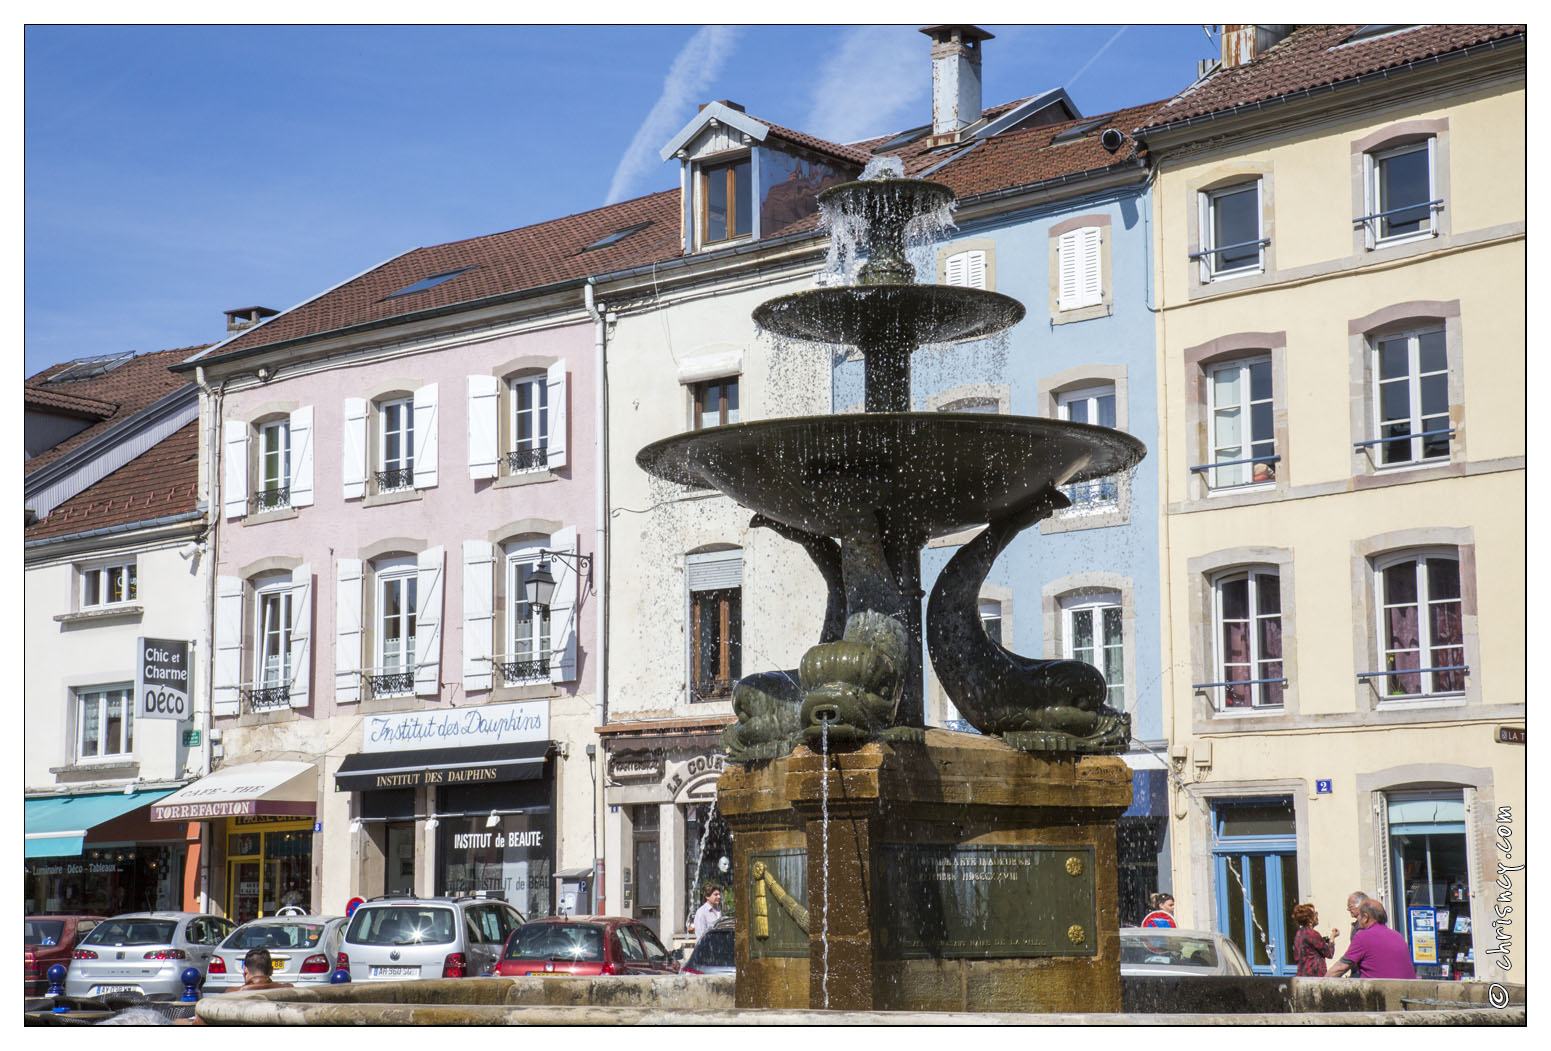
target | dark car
x=713, y=953
x=584, y=945
x=51, y=940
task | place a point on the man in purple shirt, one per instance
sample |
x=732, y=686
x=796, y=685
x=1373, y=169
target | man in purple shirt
x=1375, y=951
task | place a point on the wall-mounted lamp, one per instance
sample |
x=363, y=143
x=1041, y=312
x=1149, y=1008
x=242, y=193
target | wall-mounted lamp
x=432, y=825
x=540, y=585
x=264, y=374
x=493, y=820
x=355, y=825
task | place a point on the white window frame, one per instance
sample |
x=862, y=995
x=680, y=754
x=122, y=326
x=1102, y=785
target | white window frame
x=1414, y=376
x=1209, y=242
x=1243, y=474
x=102, y=697
x=1101, y=495
x=1258, y=691
x=537, y=384
x=966, y=269
x=404, y=462
x=1425, y=605
x=279, y=592
x=1373, y=197
x=102, y=576
x=401, y=575
x=1094, y=607
x=282, y=427
x=520, y=621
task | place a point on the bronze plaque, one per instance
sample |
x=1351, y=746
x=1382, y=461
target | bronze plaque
x=777, y=903
x=947, y=902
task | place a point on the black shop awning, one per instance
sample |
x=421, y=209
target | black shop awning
x=371, y=771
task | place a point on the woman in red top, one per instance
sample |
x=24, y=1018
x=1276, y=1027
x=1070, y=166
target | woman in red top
x=1311, y=948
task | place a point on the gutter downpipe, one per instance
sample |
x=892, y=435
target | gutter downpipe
x=600, y=548
x=206, y=697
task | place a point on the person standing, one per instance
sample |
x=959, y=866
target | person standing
x=1162, y=914
x=1311, y=948
x=709, y=912
x=1376, y=951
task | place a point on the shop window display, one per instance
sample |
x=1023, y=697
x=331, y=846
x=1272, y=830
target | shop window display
x=513, y=856
x=106, y=881
x=269, y=866
x=1430, y=870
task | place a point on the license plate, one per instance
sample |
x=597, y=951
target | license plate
x=103, y=990
x=277, y=962
x=395, y=972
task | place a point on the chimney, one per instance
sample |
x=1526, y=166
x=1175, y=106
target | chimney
x=955, y=79
x=246, y=317
x=1241, y=45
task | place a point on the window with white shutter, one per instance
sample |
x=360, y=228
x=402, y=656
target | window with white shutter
x=483, y=420
x=1081, y=268
x=563, y=608
x=301, y=636
x=347, y=631
x=352, y=460
x=425, y=418
x=301, y=457
x=478, y=614
x=428, y=627
x=966, y=269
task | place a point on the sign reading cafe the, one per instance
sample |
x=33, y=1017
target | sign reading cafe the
x=162, y=679
x=457, y=728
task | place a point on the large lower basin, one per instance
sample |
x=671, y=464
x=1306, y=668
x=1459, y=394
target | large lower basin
x=901, y=315
x=922, y=473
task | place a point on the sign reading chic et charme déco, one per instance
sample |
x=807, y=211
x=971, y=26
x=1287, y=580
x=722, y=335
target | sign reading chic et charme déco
x=162, y=679
x=488, y=724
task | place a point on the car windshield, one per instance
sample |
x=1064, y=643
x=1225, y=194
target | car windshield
x=45, y=932
x=1167, y=950
x=275, y=936
x=556, y=941
x=128, y=930
x=401, y=925
x=714, y=950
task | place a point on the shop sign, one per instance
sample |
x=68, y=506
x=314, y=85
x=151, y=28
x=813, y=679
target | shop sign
x=699, y=766
x=1511, y=735
x=630, y=767
x=488, y=724
x=463, y=775
x=1424, y=934
x=191, y=738
x=162, y=679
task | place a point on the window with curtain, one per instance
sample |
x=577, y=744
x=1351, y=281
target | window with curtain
x=1248, y=631
x=1421, y=626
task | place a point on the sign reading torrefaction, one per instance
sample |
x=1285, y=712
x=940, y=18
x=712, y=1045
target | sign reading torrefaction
x=162, y=679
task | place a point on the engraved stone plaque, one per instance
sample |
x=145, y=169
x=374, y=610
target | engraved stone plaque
x=945, y=902
x=777, y=903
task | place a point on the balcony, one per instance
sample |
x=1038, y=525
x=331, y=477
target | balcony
x=395, y=478
x=271, y=499
x=257, y=699
x=518, y=672
x=519, y=460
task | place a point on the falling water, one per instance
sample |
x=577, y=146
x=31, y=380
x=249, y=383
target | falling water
x=705, y=836
x=824, y=817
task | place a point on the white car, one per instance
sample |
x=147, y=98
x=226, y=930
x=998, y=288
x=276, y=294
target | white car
x=403, y=938
x=303, y=949
x=144, y=952
x=1169, y=950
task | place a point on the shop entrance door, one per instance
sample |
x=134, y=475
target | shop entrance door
x=399, y=859
x=244, y=888
x=1255, y=858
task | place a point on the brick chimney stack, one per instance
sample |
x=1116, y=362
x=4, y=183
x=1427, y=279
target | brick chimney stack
x=955, y=78
x=1241, y=45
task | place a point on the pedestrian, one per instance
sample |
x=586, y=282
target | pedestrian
x=257, y=969
x=709, y=912
x=1311, y=948
x=1162, y=914
x=1353, y=900
x=1376, y=951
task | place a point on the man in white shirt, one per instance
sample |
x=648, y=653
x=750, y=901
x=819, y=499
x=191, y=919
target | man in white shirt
x=709, y=912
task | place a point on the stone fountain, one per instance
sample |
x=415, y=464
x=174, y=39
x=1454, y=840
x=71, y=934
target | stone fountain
x=882, y=865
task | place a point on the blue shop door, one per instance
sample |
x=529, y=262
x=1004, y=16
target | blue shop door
x=1255, y=854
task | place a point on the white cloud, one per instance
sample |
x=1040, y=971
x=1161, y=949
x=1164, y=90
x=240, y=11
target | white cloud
x=878, y=80
x=694, y=68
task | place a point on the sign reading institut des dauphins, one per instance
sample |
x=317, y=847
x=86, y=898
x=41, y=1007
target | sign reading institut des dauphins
x=162, y=679
x=488, y=724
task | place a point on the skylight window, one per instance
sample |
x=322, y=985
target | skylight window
x=428, y=282
x=904, y=138
x=1374, y=31
x=86, y=368
x=617, y=236
x=1077, y=131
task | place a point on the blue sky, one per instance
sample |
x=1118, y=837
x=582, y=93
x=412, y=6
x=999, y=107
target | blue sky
x=174, y=173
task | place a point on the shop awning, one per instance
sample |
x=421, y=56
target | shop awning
x=369, y=771
x=280, y=788
x=1424, y=817
x=57, y=827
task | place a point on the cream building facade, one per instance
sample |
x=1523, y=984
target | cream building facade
x=1341, y=326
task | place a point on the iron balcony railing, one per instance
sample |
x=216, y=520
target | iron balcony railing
x=395, y=478
x=711, y=689
x=1243, y=682
x=391, y=683
x=527, y=459
x=1234, y=463
x=1431, y=206
x=1411, y=671
x=272, y=499
x=519, y=671
x=266, y=698
x=1258, y=245
x=1448, y=432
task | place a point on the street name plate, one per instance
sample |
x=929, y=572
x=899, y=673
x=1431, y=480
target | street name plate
x=947, y=902
x=777, y=903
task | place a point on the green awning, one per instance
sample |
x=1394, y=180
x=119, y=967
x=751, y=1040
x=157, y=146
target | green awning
x=57, y=827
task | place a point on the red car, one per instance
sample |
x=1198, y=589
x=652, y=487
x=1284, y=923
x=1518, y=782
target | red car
x=583, y=945
x=51, y=940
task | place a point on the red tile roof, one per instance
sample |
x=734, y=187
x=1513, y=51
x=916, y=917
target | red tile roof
x=71, y=404
x=122, y=392
x=160, y=481
x=1317, y=55
x=854, y=154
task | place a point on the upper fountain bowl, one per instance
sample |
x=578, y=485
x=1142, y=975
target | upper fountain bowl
x=880, y=202
x=898, y=315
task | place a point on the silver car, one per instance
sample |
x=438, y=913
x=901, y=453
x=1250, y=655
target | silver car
x=304, y=950
x=144, y=952
x=398, y=939
x=1169, y=950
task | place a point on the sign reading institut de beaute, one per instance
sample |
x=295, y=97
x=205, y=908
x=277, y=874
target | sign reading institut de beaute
x=489, y=724
x=162, y=679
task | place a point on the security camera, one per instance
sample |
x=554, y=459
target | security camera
x=1111, y=139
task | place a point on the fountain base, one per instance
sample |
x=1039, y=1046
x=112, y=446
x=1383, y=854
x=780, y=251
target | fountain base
x=961, y=875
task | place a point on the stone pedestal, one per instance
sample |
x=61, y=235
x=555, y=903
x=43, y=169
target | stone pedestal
x=958, y=875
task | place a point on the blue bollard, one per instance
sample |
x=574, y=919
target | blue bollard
x=190, y=978
x=56, y=980
x=339, y=977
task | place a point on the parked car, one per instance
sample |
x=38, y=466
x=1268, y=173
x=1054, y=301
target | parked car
x=585, y=945
x=402, y=938
x=713, y=953
x=1169, y=950
x=144, y=952
x=51, y=940
x=303, y=949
